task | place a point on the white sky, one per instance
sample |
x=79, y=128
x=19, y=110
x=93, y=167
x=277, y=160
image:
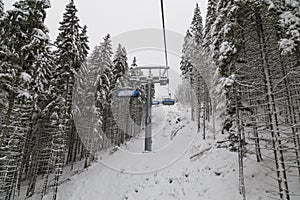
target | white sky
x=118, y=17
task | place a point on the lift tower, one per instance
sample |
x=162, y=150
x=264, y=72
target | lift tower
x=149, y=80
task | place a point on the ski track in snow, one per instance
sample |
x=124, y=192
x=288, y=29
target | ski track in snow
x=181, y=167
x=131, y=174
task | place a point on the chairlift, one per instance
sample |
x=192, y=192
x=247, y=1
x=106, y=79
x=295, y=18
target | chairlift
x=164, y=81
x=155, y=102
x=127, y=92
x=168, y=101
x=135, y=80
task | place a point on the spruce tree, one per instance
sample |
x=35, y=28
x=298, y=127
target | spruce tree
x=254, y=75
x=195, y=69
x=105, y=77
x=185, y=63
x=137, y=106
x=210, y=21
x=119, y=131
x=1, y=8
x=71, y=53
x=133, y=64
x=103, y=86
x=25, y=38
x=197, y=26
x=120, y=64
x=83, y=45
x=3, y=93
x=289, y=17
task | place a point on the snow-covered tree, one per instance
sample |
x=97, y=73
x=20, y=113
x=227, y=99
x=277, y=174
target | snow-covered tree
x=258, y=77
x=197, y=26
x=289, y=20
x=210, y=21
x=1, y=8
x=71, y=54
x=105, y=76
x=195, y=68
x=185, y=63
x=137, y=106
x=133, y=64
x=24, y=38
x=83, y=46
x=103, y=84
x=120, y=64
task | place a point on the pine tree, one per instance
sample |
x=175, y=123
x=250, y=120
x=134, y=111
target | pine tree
x=1, y=8
x=197, y=27
x=220, y=40
x=259, y=92
x=195, y=68
x=210, y=20
x=25, y=38
x=74, y=140
x=119, y=68
x=121, y=125
x=71, y=54
x=103, y=85
x=37, y=148
x=83, y=47
x=185, y=63
x=120, y=64
x=3, y=92
x=137, y=106
x=133, y=64
x=289, y=21
x=94, y=58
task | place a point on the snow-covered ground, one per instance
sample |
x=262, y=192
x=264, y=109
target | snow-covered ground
x=181, y=167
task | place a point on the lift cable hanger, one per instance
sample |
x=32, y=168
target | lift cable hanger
x=150, y=80
x=164, y=32
x=165, y=40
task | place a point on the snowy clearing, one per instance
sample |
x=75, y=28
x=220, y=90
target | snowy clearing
x=183, y=168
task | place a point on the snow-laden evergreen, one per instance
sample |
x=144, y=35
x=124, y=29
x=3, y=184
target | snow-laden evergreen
x=197, y=26
x=185, y=64
x=71, y=53
x=103, y=83
x=290, y=22
x=195, y=68
x=24, y=42
x=210, y=18
x=1, y=8
x=254, y=75
x=57, y=108
x=120, y=63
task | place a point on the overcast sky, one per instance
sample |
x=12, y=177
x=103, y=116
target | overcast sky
x=128, y=22
x=118, y=16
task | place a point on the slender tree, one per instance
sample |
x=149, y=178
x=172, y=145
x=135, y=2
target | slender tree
x=197, y=26
x=1, y=8
x=259, y=90
x=103, y=85
x=71, y=54
x=25, y=38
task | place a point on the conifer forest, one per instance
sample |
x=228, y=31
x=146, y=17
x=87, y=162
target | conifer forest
x=240, y=70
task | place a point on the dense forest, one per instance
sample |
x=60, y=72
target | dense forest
x=242, y=66
x=253, y=48
x=46, y=88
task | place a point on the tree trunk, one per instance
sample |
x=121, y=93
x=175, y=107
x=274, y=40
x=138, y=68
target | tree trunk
x=272, y=115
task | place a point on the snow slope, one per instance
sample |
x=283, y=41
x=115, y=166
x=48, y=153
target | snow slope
x=181, y=167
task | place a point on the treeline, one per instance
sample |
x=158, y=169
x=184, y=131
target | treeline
x=254, y=46
x=57, y=103
x=197, y=72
